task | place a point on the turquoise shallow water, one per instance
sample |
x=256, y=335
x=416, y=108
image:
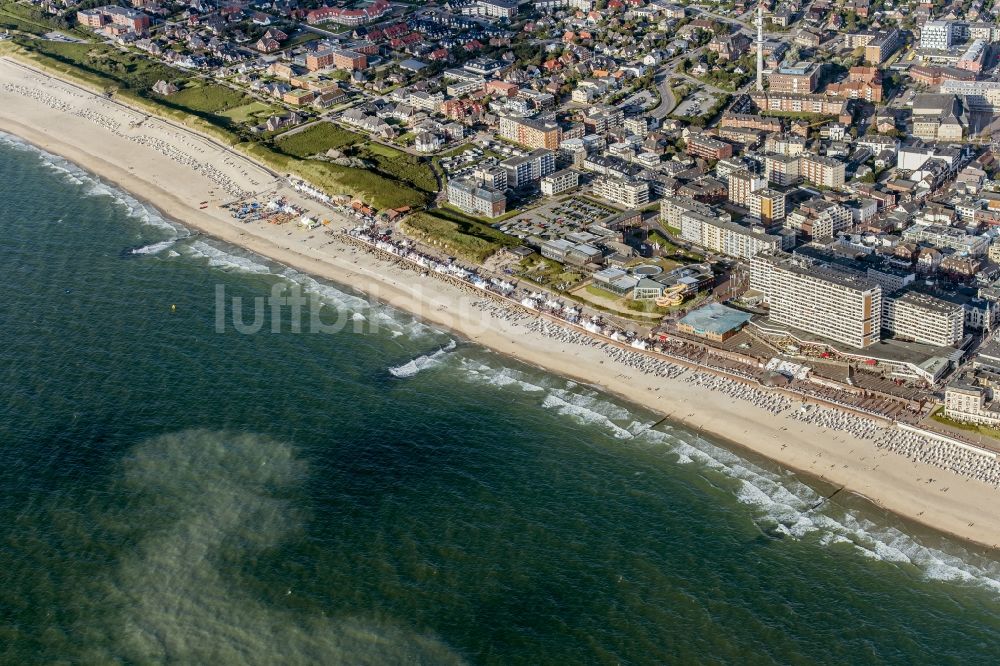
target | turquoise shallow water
x=173, y=494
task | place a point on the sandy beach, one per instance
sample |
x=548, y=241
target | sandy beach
x=176, y=169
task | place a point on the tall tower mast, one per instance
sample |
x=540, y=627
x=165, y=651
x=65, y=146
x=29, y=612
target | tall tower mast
x=760, y=47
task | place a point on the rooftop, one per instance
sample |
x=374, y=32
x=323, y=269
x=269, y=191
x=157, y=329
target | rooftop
x=715, y=318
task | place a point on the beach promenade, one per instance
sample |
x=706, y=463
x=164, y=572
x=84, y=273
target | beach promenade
x=176, y=169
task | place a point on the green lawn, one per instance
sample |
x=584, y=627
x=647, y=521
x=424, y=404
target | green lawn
x=132, y=71
x=467, y=238
x=986, y=431
x=319, y=138
x=248, y=112
x=411, y=171
x=395, y=182
x=213, y=98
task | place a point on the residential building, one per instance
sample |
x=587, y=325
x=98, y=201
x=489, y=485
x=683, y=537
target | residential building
x=349, y=17
x=969, y=397
x=881, y=47
x=741, y=184
x=941, y=236
x=560, y=181
x=529, y=168
x=936, y=35
x=531, y=132
x=473, y=197
x=921, y=318
x=819, y=298
x=801, y=77
x=349, y=60
x=862, y=83
x=799, y=103
x=725, y=237
x=823, y=171
x=707, y=147
x=782, y=170
x=123, y=18
x=630, y=193
x=767, y=205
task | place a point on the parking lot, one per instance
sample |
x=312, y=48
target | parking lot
x=697, y=104
x=557, y=219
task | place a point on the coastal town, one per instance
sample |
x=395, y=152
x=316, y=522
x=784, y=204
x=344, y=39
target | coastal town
x=796, y=204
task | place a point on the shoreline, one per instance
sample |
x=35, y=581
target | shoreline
x=888, y=481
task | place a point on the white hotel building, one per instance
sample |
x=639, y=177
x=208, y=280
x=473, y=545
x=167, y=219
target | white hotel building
x=835, y=304
x=922, y=318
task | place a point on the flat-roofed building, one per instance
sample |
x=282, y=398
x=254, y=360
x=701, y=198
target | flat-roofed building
x=882, y=45
x=349, y=60
x=531, y=132
x=560, y=181
x=936, y=35
x=741, y=184
x=782, y=170
x=821, y=170
x=767, y=205
x=942, y=236
x=922, y=318
x=707, y=147
x=672, y=208
x=724, y=237
x=799, y=103
x=472, y=196
x=801, y=77
x=843, y=306
x=630, y=193
x=528, y=168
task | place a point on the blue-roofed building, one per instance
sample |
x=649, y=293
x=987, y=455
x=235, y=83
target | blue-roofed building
x=714, y=322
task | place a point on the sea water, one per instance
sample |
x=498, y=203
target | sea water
x=170, y=493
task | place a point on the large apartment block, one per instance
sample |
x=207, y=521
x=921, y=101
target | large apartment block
x=673, y=208
x=823, y=171
x=801, y=77
x=767, y=205
x=624, y=192
x=922, y=318
x=529, y=168
x=122, y=18
x=799, y=103
x=708, y=148
x=936, y=35
x=724, y=237
x=531, y=132
x=782, y=169
x=882, y=46
x=819, y=299
x=475, y=198
x=560, y=181
x=741, y=184
x=942, y=236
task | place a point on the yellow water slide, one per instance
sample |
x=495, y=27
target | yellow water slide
x=672, y=296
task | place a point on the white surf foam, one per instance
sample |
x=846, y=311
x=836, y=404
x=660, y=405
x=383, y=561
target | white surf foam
x=502, y=377
x=95, y=186
x=154, y=248
x=422, y=362
x=328, y=294
x=787, y=506
x=592, y=408
x=226, y=260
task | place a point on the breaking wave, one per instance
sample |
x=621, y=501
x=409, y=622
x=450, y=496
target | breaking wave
x=781, y=504
x=422, y=362
x=219, y=258
x=94, y=186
